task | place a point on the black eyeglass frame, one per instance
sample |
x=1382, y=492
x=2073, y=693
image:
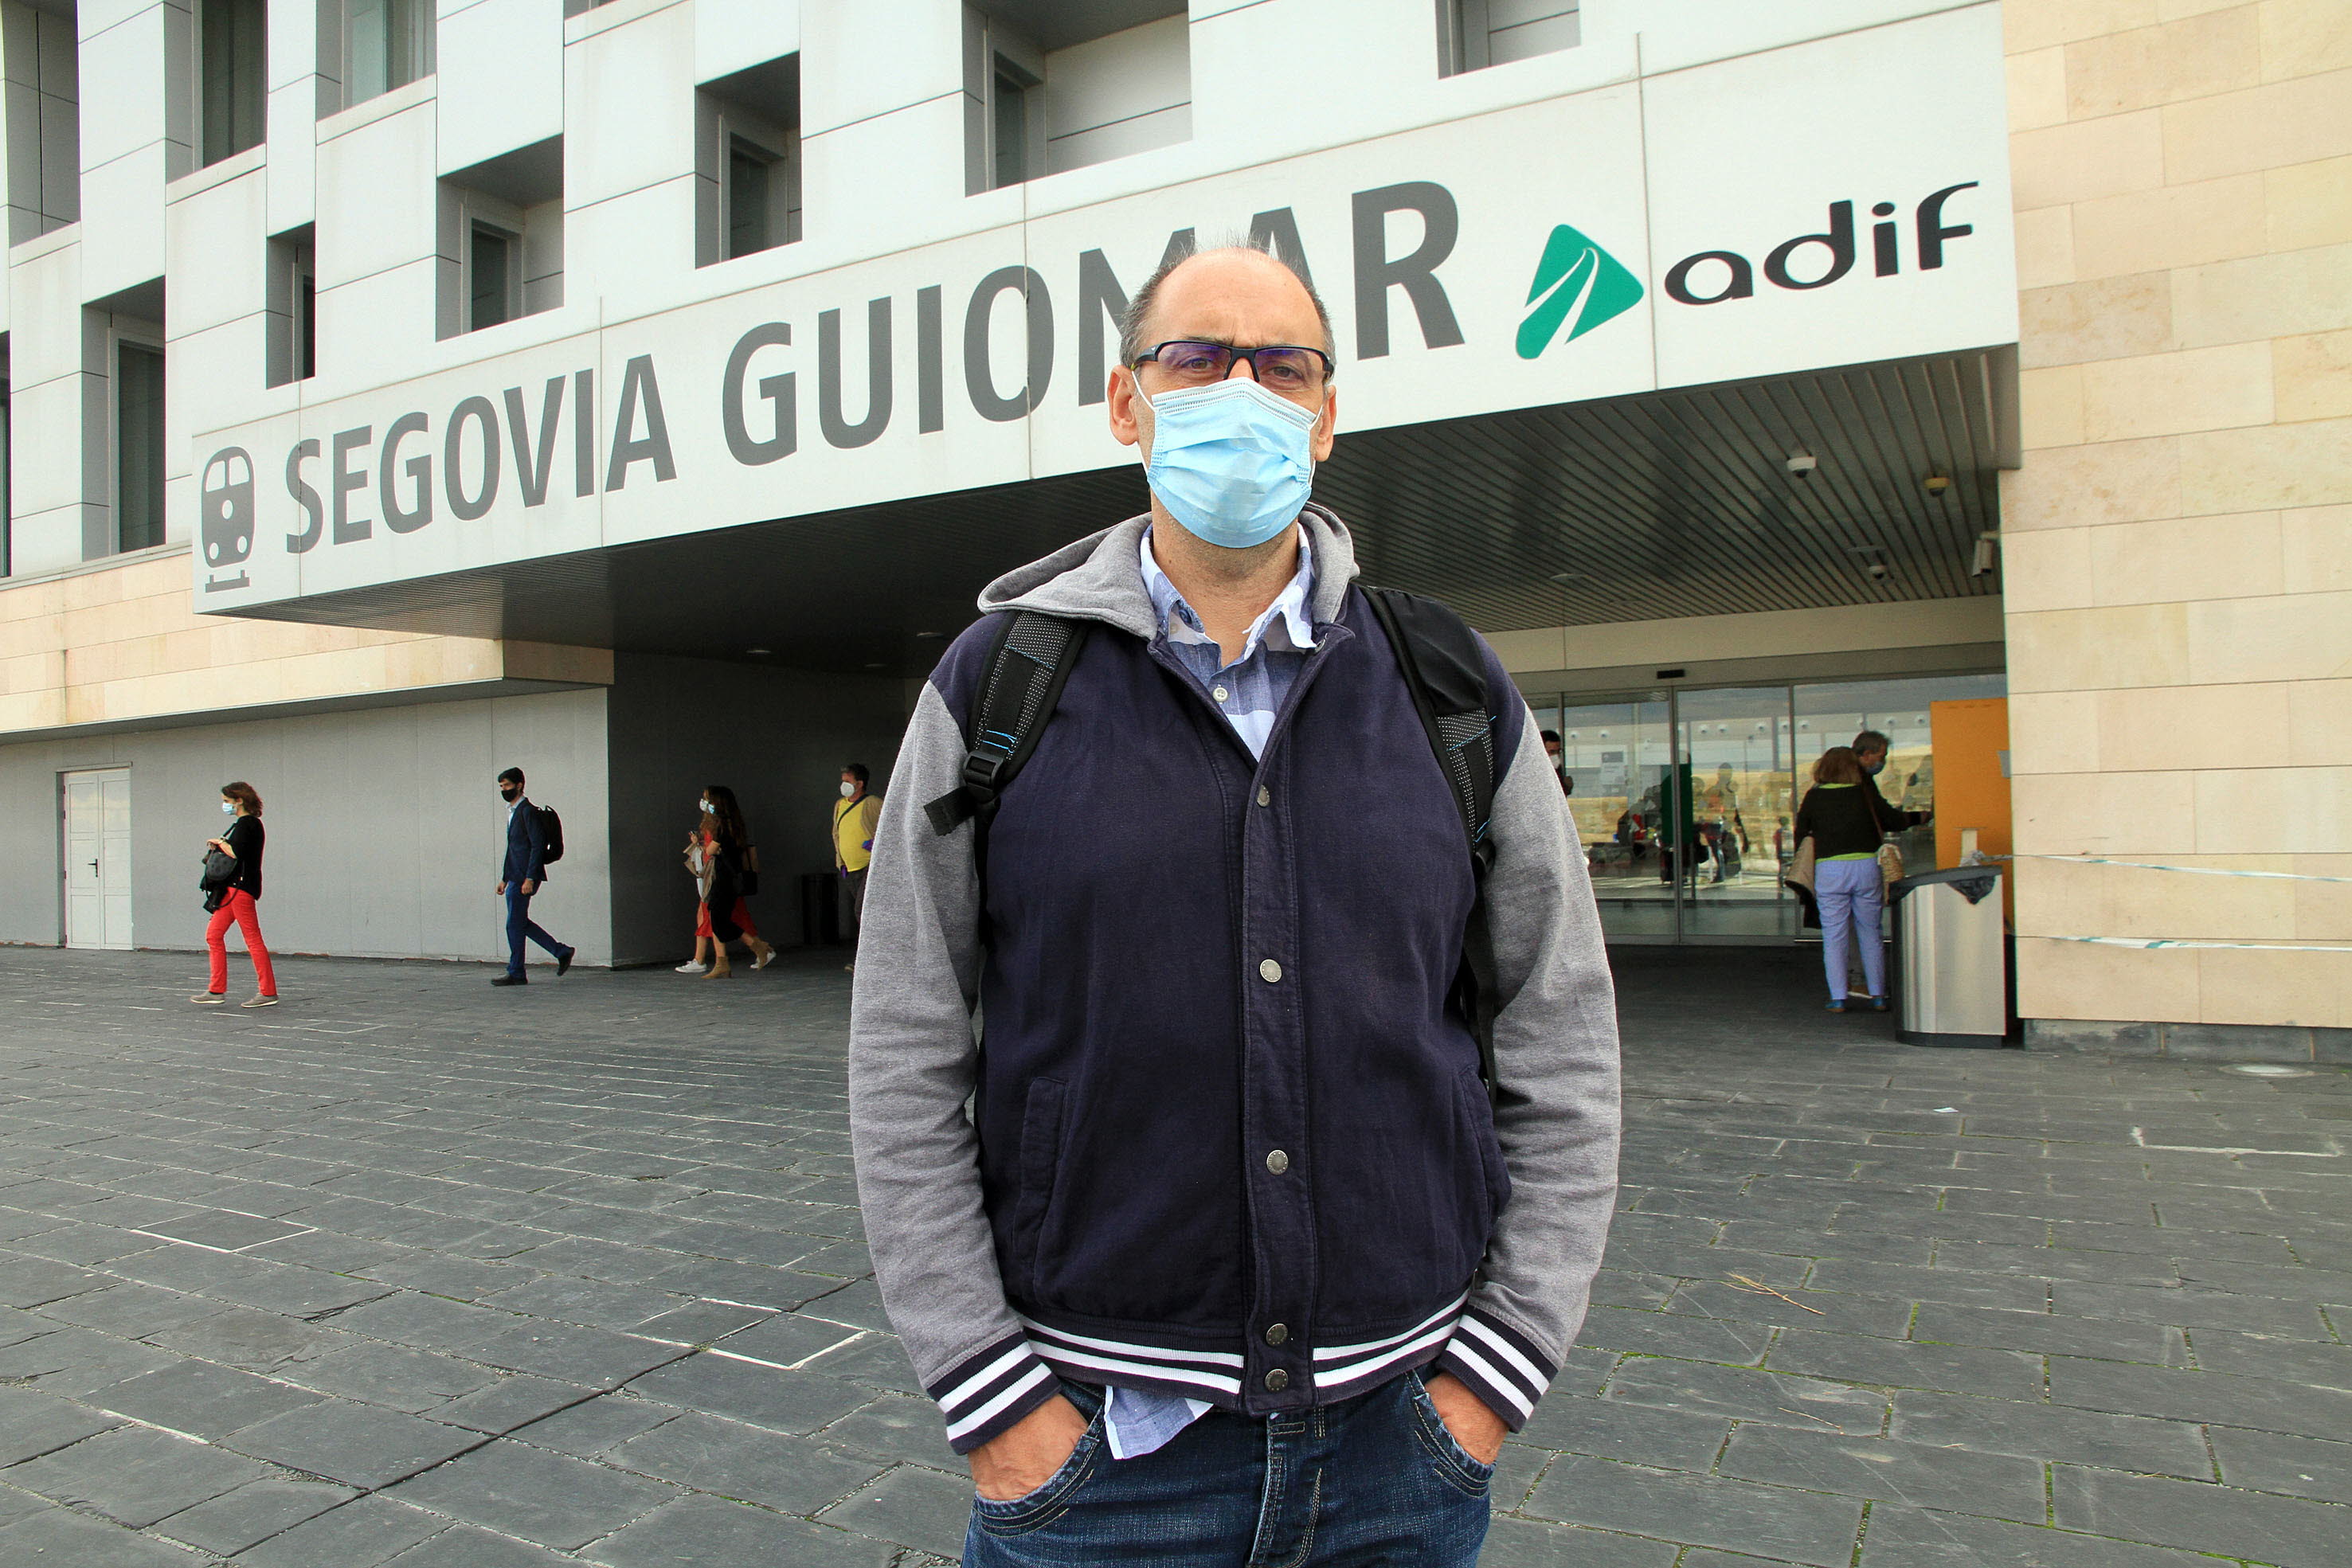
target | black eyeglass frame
x=1234, y=352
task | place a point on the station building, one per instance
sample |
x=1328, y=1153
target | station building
x=638, y=393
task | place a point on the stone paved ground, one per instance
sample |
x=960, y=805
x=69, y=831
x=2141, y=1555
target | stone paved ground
x=409, y=1270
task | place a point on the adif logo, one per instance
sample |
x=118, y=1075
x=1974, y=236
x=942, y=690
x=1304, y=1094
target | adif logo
x=1578, y=285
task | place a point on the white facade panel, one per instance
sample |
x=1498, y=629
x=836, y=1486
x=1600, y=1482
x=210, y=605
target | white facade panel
x=731, y=35
x=123, y=76
x=219, y=252
x=378, y=199
x=913, y=50
x=640, y=78
x=501, y=79
x=122, y=222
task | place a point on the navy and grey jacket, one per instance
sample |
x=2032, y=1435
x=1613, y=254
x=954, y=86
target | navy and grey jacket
x=526, y=844
x=1228, y=1137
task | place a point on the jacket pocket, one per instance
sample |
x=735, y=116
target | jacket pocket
x=1040, y=1154
x=1477, y=1119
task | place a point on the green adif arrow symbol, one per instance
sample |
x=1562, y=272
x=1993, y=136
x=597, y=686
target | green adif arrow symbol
x=1576, y=283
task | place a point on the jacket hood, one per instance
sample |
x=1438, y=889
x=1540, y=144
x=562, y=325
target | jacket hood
x=1096, y=579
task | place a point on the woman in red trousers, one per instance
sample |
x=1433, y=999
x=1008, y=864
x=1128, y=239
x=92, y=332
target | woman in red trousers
x=242, y=841
x=721, y=854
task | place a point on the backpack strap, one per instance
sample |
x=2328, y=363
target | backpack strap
x=1444, y=668
x=1027, y=671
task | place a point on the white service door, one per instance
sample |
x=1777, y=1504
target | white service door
x=97, y=858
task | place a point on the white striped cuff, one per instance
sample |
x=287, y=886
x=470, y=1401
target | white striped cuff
x=1087, y=1358
x=1501, y=1365
x=989, y=1391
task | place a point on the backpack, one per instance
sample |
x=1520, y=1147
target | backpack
x=551, y=827
x=1444, y=668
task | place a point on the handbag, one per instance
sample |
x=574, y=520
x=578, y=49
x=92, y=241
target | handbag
x=1800, y=870
x=1890, y=859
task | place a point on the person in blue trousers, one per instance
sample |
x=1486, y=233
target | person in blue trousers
x=1840, y=815
x=525, y=871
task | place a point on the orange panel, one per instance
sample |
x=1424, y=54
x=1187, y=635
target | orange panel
x=1972, y=742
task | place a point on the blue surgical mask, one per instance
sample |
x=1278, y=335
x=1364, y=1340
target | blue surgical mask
x=1877, y=768
x=1231, y=462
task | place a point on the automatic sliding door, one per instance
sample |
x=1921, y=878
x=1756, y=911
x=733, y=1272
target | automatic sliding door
x=1737, y=746
x=1618, y=760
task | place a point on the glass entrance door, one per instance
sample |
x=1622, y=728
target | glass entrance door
x=1735, y=744
x=1617, y=761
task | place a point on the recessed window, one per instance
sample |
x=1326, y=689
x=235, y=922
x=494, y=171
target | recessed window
x=1475, y=34
x=44, y=107
x=1011, y=118
x=387, y=44
x=231, y=56
x=138, y=444
x=502, y=239
x=493, y=277
x=1055, y=88
x=748, y=129
x=292, y=335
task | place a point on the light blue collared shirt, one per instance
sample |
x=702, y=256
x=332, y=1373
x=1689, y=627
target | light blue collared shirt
x=1250, y=690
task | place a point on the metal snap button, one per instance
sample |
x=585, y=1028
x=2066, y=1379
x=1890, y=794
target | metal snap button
x=1277, y=1162
x=1265, y=795
x=1276, y=1334
x=1277, y=1380
x=1269, y=971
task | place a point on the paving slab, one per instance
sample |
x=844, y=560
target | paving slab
x=135, y=1475
x=198, y=1398
x=360, y=1444
x=705, y=1531
x=552, y=1500
x=251, y=1514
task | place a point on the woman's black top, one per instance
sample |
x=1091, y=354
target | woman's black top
x=1837, y=818
x=243, y=839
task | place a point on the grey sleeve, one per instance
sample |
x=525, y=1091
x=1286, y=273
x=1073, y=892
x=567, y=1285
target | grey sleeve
x=913, y=1060
x=1556, y=1112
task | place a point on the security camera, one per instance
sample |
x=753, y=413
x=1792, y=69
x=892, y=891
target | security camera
x=1877, y=570
x=1936, y=483
x=1984, y=562
x=1802, y=463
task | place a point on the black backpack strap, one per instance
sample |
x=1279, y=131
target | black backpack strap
x=1027, y=671
x=1444, y=668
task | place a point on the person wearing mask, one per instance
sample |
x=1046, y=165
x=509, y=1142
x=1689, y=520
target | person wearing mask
x=1838, y=815
x=1870, y=752
x=855, y=816
x=525, y=871
x=1558, y=757
x=242, y=841
x=1240, y=1259
x=719, y=852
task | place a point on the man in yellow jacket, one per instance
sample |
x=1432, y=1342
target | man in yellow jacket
x=853, y=849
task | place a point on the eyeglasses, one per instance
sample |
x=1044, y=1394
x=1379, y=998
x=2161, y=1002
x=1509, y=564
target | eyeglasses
x=1279, y=367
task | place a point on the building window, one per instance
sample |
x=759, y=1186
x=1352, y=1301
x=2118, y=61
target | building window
x=493, y=276
x=387, y=44
x=1475, y=34
x=1064, y=90
x=231, y=52
x=1011, y=117
x=748, y=130
x=43, y=93
x=292, y=334
x=502, y=239
x=138, y=444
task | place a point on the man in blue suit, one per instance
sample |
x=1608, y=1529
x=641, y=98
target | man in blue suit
x=525, y=868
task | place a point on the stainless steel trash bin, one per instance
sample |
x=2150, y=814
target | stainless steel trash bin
x=1951, y=960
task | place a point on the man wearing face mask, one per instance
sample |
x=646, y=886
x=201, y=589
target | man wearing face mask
x=1232, y=1256
x=525, y=869
x=1870, y=749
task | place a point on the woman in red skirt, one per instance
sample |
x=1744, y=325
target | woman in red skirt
x=721, y=854
x=242, y=841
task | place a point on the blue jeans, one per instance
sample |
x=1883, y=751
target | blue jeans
x=520, y=924
x=1851, y=893
x=1374, y=1481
